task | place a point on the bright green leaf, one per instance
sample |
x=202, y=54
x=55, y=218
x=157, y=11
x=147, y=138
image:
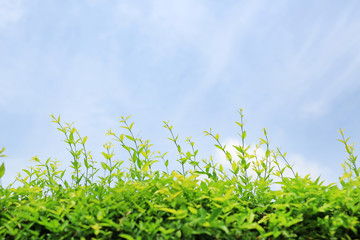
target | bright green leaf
x=104, y=166
x=2, y=170
x=215, y=213
x=129, y=137
x=243, y=135
x=126, y=236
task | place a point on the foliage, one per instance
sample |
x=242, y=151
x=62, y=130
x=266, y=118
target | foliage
x=201, y=201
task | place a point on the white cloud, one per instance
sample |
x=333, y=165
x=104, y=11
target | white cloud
x=11, y=11
x=229, y=143
x=315, y=108
x=305, y=167
x=220, y=156
x=165, y=25
x=326, y=65
x=216, y=45
x=300, y=164
x=192, y=26
x=10, y=90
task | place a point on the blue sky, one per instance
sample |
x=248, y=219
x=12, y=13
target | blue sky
x=293, y=66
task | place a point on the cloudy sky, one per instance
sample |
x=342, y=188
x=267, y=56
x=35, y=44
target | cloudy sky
x=293, y=66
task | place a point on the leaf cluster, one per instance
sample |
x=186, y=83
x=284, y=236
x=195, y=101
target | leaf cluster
x=202, y=200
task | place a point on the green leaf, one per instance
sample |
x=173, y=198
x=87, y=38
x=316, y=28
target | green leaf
x=192, y=210
x=99, y=216
x=104, y=166
x=166, y=231
x=129, y=137
x=2, y=150
x=2, y=170
x=228, y=156
x=106, y=156
x=233, y=166
x=239, y=124
x=84, y=140
x=250, y=216
x=218, y=147
x=126, y=236
x=134, y=157
x=27, y=171
x=61, y=130
x=243, y=135
x=202, y=213
x=139, y=162
x=204, y=186
x=324, y=207
x=170, y=210
x=73, y=130
x=215, y=214
x=71, y=138
x=262, y=141
x=267, y=153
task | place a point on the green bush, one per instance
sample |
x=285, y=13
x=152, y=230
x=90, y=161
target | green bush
x=201, y=201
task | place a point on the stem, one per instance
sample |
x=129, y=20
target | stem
x=182, y=156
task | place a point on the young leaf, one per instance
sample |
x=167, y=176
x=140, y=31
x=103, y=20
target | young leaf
x=243, y=135
x=129, y=137
x=267, y=153
x=239, y=124
x=218, y=146
x=106, y=156
x=215, y=214
x=217, y=136
x=2, y=150
x=262, y=141
x=2, y=170
x=104, y=166
x=126, y=236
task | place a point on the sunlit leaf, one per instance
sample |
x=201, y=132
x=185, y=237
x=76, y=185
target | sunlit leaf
x=2, y=170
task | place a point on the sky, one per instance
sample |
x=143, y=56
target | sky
x=292, y=66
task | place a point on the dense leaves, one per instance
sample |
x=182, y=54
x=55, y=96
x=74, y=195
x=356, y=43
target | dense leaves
x=177, y=207
x=201, y=201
